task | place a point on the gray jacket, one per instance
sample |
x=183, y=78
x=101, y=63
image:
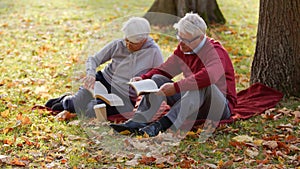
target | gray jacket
x=124, y=64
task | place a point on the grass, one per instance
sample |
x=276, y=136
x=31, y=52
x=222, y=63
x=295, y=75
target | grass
x=43, y=47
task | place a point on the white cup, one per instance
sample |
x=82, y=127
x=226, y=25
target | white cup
x=100, y=110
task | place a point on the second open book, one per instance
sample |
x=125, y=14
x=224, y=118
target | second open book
x=144, y=86
x=141, y=87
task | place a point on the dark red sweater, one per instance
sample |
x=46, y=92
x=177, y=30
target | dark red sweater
x=211, y=65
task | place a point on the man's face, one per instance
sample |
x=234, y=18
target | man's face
x=134, y=46
x=187, y=41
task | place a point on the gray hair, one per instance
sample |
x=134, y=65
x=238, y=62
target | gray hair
x=191, y=23
x=136, y=29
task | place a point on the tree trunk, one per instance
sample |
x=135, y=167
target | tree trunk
x=277, y=57
x=168, y=12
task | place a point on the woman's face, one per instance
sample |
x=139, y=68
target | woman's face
x=134, y=46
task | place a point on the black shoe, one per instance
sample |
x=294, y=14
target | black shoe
x=52, y=102
x=152, y=129
x=58, y=107
x=129, y=125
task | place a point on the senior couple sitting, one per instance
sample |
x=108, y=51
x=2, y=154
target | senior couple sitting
x=206, y=91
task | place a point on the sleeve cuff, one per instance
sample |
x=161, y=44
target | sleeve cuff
x=177, y=87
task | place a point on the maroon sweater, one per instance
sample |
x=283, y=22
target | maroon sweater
x=211, y=65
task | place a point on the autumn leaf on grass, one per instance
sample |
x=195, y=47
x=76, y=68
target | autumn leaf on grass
x=42, y=91
x=5, y=113
x=64, y=116
x=251, y=152
x=264, y=161
x=27, y=142
x=125, y=132
x=297, y=116
x=17, y=162
x=187, y=162
x=9, y=142
x=24, y=120
x=191, y=134
x=270, y=144
x=6, y=130
x=147, y=160
x=226, y=164
x=243, y=138
x=133, y=162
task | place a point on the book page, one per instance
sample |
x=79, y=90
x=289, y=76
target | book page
x=99, y=88
x=144, y=86
x=111, y=99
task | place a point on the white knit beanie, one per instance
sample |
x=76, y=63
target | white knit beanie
x=136, y=29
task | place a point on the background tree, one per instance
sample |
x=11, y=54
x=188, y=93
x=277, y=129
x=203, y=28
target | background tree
x=276, y=60
x=164, y=12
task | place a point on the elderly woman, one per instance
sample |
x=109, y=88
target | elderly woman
x=132, y=56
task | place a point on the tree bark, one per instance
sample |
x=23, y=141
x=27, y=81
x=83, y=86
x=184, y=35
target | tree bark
x=276, y=60
x=167, y=12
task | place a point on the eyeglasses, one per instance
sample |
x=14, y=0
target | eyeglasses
x=186, y=40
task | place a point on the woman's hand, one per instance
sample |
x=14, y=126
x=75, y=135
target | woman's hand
x=134, y=79
x=89, y=82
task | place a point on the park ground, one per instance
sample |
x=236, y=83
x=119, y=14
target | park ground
x=43, y=46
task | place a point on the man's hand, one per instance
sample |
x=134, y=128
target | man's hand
x=167, y=89
x=135, y=79
x=89, y=82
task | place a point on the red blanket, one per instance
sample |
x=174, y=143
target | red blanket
x=250, y=102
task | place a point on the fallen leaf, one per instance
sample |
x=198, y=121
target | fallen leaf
x=243, y=138
x=3, y=158
x=211, y=165
x=294, y=148
x=285, y=126
x=252, y=153
x=26, y=120
x=258, y=142
x=5, y=113
x=191, y=134
x=226, y=164
x=264, y=161
x=17, y=162
x=290, y=138
x=238, y=159
x=9, y=142
x=237, y=144
x=63, y=161
x=6, y=130
x=19, y=116
x=125, y=132
x=147, y=160
x=297, y=116
x=270, y=144
x=65, y=115
x=133, y=162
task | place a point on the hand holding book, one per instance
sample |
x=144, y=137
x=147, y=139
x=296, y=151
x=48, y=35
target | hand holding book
x=101, y=92
x=167, y=89
x=144, y=86
x=149, y=86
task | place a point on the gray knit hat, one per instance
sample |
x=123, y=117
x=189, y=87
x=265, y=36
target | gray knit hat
x=136, y=29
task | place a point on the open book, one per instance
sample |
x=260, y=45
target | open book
x=101, y=92
x=144, y=86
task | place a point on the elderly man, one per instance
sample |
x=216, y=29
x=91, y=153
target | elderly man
x=132, y=56
x=207, y=90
